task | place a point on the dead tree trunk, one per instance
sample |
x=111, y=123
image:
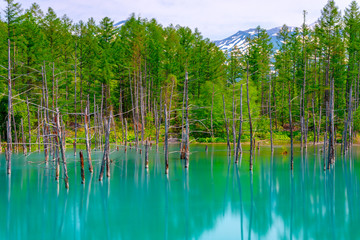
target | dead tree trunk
x=301, y=121
x=142, y=109
x=325, y=134
x=62, y=149
x=182, y=143
x=134, y=114
x=38, y=129
x=87, y=138
x=331, y=154
x=105, y=159
x=211, y=115
x=270, y=117
x=23, y=138
x=187, y=127
x=29, y=124
x=166, y=141
x=75, y=112
x=348, y=122
x=15, y=132
x=45, y=108
x=234, y=122
x=157, y=127
x=82, y=167
x=226, y=127
x=126, y=128
x=314, y=120
x=57, y=166
x=319, y=126
x=107, y=148
x=238, y=147
x=114, y=125
x=291, y=133
x=121, y=116
x=8, y=123
x=95, y=124
x=249, y=112
x=146, y=154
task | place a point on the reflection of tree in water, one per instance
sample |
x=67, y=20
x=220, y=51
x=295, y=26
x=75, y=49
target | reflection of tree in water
x=137, y=204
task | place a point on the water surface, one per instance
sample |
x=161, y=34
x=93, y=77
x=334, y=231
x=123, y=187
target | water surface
x=213, y=199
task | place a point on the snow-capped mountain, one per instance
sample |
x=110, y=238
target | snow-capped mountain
x=239, y=39
x=119, y=24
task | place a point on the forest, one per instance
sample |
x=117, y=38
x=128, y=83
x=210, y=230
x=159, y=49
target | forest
x=143, y=82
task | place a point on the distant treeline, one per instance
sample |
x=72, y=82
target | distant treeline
x=138, y=68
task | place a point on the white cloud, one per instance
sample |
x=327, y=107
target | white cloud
x=215, y=19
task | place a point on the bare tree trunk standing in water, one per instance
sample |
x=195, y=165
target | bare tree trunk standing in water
x=8, y=123
x=234, y=122
x=121, y=117
x=75, y=137
x=226, y=127
x=166, y=141
x=238, y=147
x=62, y=149
x=105, y=159
x=271, y=130
x=347, y=122
x=291, y=133
x=182, y=143
x=87, y=138
x=23, y=138
x=212, y=110
x=16, y=147
x=314, y=120
x=319, y=126
x=146, y=154
x=29, y=124
x=249, y=112
x=331, y=154
x=187, y=129
x=157, y=128
x=82, y=167
x=125, y=133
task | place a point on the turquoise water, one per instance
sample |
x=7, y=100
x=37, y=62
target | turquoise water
x=213, y=199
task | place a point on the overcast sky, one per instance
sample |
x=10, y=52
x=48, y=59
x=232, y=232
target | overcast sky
x=216, y=19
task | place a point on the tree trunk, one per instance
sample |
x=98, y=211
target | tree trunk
x=187, y=128
x=314, y=120
x=249, y=112
x=212, y=109
x=8, y=123
x=146, y=154
x=62, y=149
x=166, y=141
x=105, y=159
x=82, y=167
x=29, y=124
x=23, y=138
x=75, y=112
x=291, y=133
x=238, y=147
x=271, y=130
x=234, y=122
x=87, y=138
x=121, y=116
x=226, y=127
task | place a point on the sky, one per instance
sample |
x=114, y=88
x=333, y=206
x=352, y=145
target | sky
x=215, y=19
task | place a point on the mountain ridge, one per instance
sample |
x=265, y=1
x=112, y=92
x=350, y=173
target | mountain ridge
x=239, y=39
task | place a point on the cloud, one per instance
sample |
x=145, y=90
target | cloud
x=215, y=19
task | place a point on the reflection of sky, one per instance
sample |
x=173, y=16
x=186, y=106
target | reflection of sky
x=225, y=225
